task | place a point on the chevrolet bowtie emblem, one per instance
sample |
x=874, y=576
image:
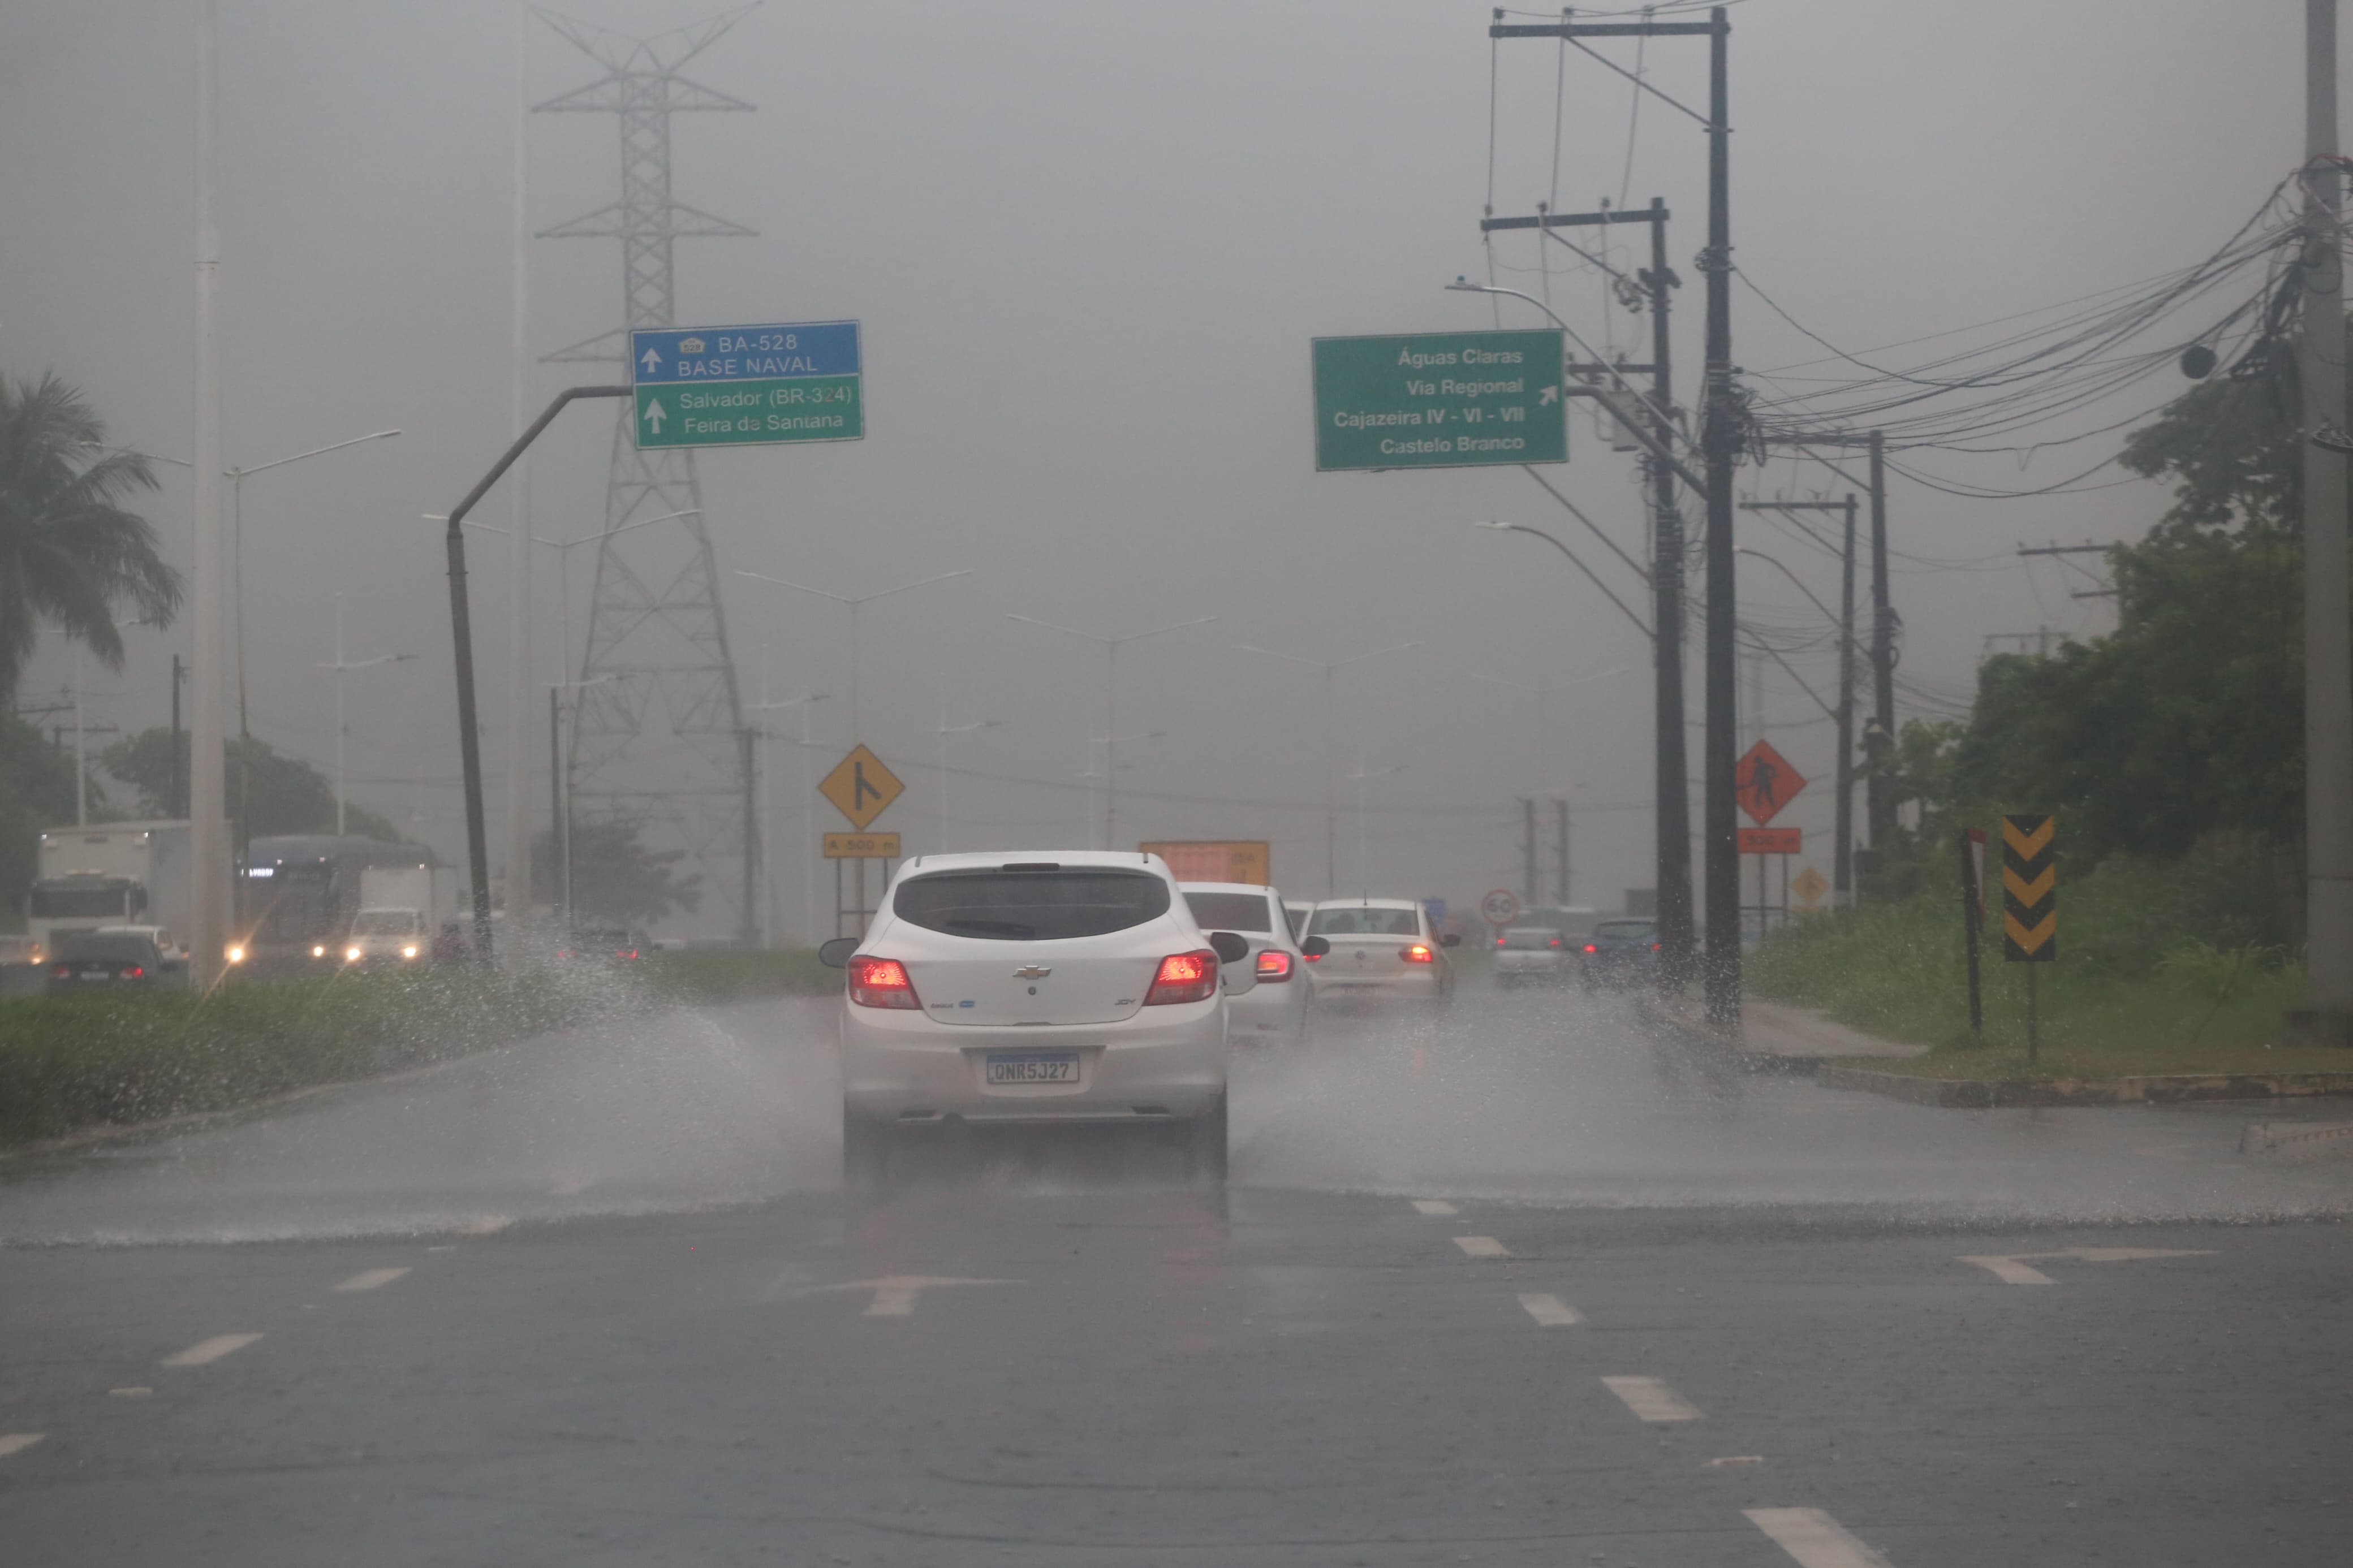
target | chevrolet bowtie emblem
x=1034, y=972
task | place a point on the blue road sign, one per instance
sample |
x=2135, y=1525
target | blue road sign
x=754, y=385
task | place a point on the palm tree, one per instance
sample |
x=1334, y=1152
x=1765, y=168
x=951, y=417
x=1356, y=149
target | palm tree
x=69, y=552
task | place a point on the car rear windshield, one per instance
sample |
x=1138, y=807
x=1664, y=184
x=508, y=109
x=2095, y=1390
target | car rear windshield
x=1229, y=912
x=1365, y=922
x=1044, y=905
x=1623, y=930
x=110, y=949
x=1530, y=937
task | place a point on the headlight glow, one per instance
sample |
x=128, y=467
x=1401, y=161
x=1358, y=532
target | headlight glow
x=236, y=952
x=318, y=951
x=351, y=955
x=409, y=951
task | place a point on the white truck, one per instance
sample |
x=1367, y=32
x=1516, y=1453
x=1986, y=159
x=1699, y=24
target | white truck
x=400, y=910
x=112, y=874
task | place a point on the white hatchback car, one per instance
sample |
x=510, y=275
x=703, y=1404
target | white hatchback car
x=1381, y=950
x=1277, y=1008
x=1044, y=988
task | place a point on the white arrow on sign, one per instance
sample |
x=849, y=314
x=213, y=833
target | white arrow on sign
x=1544, y=396
x=656, y=413
x=895, y=1297
x=650, y=359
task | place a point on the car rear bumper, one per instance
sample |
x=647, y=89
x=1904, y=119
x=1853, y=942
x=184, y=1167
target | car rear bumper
x=1419, y=984
x=1264, y=1009
x=1163, y=1062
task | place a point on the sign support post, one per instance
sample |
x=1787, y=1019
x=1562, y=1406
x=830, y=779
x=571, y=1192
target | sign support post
x=1972, y=841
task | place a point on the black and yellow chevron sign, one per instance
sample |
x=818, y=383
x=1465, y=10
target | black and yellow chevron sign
x=2030, y=889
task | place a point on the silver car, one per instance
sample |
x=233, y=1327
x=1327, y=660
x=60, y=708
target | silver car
x=1380, y=950
x=1277, y=1008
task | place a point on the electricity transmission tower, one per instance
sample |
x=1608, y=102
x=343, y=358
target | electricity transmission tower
x=658, y=738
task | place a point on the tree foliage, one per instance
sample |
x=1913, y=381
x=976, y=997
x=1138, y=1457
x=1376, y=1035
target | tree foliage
x=36, y=791
x=277, y=794
x=615, y=877
x=71, y=556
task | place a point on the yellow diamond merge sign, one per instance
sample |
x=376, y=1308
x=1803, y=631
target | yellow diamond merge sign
x=861, y=787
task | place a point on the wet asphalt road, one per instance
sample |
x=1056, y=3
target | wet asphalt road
x=596, y=1300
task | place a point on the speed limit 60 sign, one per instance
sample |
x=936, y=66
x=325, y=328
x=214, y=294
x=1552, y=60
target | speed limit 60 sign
x=1500, y=906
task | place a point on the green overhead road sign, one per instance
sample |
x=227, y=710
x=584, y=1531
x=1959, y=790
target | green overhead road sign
x=1441, y=400
x=745, y=387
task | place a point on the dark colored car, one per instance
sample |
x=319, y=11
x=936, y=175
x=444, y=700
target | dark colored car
x=87, y=961
x=606, y=945
x=1620, y=954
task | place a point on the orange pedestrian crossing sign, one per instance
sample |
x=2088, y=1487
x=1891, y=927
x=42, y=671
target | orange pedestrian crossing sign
x=1764, y=783
x=860, y=787
x=2030, y=889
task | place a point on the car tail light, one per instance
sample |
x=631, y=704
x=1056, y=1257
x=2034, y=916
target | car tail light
x=882, y=983
x=1184, y=977
x=1592, y=947
x=1499, y=941
x=1556, y=941
x=1415, y=954
x=625, y=952
x=1654, y=947
x=61, y=970
x=1274, y=964
x=134, y=971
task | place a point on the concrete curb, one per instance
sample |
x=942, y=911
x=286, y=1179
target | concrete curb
x=2154, y=1089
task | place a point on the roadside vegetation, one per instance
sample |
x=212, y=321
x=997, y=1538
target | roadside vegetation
x=72, y=1062
x=2163, y=967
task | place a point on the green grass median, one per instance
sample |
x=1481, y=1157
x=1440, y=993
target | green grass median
x=70, y=1062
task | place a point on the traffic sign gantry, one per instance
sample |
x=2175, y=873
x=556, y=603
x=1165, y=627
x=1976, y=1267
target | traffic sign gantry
x=1764, y=783
x=1500, y=907
x=1440, y=400
x=748, y=386
x=859, y=787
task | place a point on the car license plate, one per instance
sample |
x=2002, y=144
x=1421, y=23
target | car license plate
x=1055, y=1067
x=98, y=974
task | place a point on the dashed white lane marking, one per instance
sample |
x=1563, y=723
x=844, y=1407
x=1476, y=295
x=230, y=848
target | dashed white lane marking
x=371, y=1278
x=2012, y=1268
x=18, y=1442
x=1483, y=1247
x=1652, y=1399
x=1434, y=1206
x=895, y=1296
x=211, y=1350
x=1814, y=1538
x=1550, y=1311
x=1730, y=1460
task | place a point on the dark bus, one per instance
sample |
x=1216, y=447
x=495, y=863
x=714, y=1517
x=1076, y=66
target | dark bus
x=298, y=894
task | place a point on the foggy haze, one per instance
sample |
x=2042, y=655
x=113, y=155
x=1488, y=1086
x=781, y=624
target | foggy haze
x=1088, y=245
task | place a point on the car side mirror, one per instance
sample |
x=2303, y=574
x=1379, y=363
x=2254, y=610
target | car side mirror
x=1315, y=947
x=1450, y=940
x=1230, y=947
x=834, y=954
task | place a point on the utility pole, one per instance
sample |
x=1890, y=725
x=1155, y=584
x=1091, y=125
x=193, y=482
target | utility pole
x=1720, y=444
x=1672, y=766
x=1879, y=793
x=2328, y=642
x=208, y=806
x=519, y=893
x=1560, y=808
x=1842, y=856
x=176, y=804
x=1528, y=851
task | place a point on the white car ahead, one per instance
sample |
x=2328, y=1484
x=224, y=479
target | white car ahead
x=1277, y=1008
x=1382, y=950
x=1538, y=954
x=1054, y=988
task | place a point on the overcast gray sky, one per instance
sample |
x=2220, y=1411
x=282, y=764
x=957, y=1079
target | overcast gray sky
x=1089, y=244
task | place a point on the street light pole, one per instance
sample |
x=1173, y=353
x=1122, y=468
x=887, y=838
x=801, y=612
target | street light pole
x=853, y=601
x=1110, y=702
x=1331, y=805
x=208, y=774
x=944, y=730
x=342, y=667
